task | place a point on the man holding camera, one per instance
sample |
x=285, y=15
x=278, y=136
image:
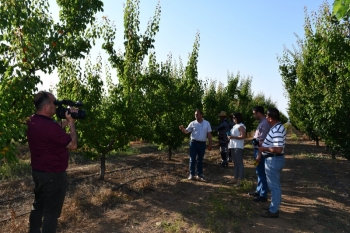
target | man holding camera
x=49, y=146
x=260, y=194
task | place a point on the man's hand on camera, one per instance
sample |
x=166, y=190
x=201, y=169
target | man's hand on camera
x=64, y=123
x=73, y=133
x=69, y=116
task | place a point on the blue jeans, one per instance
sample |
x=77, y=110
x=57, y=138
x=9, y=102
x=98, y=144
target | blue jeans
x=197, y=150
x=50, y=190
x=273, y=168
x=262, y=187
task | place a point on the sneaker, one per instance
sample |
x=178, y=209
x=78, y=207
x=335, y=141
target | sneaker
x=223, y=163
x=268, y=214
x=233, y=181
x=260, y=199
x=191, y=177
x=238, y=183
x=254, y=194
x=202, y=177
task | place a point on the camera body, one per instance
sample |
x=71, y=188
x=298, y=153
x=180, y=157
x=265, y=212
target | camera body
x=255, y=142
x=60, y=111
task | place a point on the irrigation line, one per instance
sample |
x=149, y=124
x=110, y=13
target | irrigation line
x=332, y=177
x=15, y=198
x=16, y=216
x=72, y=180
x=130, y=181
x=330, y=174
x=113, y=189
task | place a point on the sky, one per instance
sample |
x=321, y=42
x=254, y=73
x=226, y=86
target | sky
x=235, y=36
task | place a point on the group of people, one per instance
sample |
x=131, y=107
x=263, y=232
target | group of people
x=49, y=145
x=269, y=141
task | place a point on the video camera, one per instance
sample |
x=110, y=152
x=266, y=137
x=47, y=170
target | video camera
x=60, y=111
x=255, y=142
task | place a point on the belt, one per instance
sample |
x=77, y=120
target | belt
x=267, y=155
x=35, y=170
x=198, y=141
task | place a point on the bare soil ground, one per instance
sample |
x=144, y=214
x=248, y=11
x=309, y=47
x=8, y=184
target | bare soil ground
x=147, y=193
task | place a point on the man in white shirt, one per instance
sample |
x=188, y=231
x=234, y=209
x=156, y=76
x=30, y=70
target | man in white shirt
x=200, y=130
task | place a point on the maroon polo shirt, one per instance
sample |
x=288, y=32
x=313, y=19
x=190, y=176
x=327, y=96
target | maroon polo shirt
x=47, y=143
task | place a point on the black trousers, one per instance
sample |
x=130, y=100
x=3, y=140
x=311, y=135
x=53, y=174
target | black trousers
x=50, y=190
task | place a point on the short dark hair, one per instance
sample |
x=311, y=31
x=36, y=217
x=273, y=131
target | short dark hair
x=259, y=109
x=200, y=111
x=273, y=113
x=41, y=98
x=238, y=116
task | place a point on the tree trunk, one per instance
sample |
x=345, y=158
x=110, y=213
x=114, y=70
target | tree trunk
x=317, y=141
x=103, y=167
x=103, y=159
x=333, y=154
x=169, y=153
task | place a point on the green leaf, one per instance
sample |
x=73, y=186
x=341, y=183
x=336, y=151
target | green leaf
x=341, y=8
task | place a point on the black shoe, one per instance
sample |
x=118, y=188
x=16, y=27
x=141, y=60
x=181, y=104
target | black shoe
x=202, y=177
x=268, y=214
x=254, y=194
x=223, y=163
x=260, y=199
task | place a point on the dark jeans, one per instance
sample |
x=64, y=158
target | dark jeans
x=262, y=187
x=197, y=150
x=224, y=152
x=50, y=190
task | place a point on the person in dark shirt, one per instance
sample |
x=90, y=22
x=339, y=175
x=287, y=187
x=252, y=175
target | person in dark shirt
x=260, y=194
x=223, y=128
x=231, y=123
x=49, y=146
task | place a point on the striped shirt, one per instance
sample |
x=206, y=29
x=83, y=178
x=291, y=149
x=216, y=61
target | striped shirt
x=198, y=130
x=276, y=137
